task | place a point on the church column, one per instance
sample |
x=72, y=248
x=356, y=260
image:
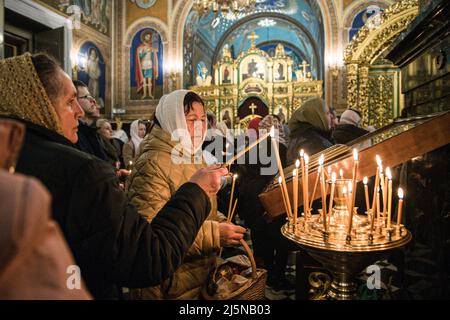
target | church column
x=2, y=24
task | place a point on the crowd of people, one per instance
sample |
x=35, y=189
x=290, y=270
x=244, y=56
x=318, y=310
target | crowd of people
x=140, y=213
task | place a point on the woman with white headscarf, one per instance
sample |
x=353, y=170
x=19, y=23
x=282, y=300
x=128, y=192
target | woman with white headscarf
x=168, y=157
x=131, y=148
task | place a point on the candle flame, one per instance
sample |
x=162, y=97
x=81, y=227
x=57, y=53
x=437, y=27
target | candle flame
x=297, y=163
x=400, y=193
x=377, y=157
x=355, y=154
x=272, y=132
x=319, y=169
x=333, y=177
x=388, y=173
x=306, y=159
x=321, y=159
x=350, y=187
x=294, y=173
x=302, y=152
x=280, y=180
x=365, y=180
x=130, y=163
x=235, y=176
x=341, y=173
x=344, y=190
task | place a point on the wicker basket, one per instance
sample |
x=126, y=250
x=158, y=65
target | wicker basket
x=254, y=289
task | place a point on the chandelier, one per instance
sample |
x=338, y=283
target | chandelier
x=223, y=6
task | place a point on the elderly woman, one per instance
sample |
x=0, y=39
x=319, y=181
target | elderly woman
x=131, y=148
x=310, y=129
x=111, y=243
x=168, y=156
x=110, y=146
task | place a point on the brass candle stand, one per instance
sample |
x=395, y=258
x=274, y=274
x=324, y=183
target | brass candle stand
x=345, y=255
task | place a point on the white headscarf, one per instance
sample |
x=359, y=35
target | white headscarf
x=350, y=117
x=134, y=132
x=171, y=117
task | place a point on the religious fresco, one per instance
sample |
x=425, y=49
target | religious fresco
x=213, y=32
x=92, y=71
x=146, y=65
x=93, y=13
x=361, y=18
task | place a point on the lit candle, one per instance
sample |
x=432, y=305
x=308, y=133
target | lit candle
x=349, y=207
x=341, y=174
x=366, y=193
x=400, y=205
x=306, y=182
x=302, y=159
x=389, y=195
x=333, y=182
x=324, y=197
x=355, y=170
x=231, y=195
x=295, y=192
x=378, y=206
x=280, y=169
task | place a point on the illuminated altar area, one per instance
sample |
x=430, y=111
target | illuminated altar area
x=256, y=74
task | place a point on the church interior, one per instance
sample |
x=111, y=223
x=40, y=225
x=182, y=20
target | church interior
x=384, y=61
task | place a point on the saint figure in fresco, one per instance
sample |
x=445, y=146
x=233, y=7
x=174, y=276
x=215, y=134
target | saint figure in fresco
x=146, y=65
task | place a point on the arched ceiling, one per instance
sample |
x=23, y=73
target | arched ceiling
x=295, y=22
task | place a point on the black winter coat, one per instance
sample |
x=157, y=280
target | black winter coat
x=344, y=133
x=89, y=141
x=308, y=138
x=112, y=244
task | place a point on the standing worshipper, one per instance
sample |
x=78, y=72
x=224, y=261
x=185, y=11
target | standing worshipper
x=310, y=129
x=131, y=148
x=169, y=155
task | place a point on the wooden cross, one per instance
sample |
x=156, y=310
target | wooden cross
x=253, y=38
x=304, y=65
x=253, y=107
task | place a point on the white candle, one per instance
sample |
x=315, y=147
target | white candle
x=280, y=182
x=366, y=193
x=400, y=205
x=295, y=192
x=306, y=182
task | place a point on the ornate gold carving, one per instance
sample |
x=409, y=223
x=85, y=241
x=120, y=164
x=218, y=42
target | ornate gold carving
x=367, y=47
x=320, y=283
x=380, y=99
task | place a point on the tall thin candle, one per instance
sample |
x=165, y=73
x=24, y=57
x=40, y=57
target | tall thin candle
x=350, y=208
x=389, y=195
x=306, y=182
x=231, y=195
x=295, y=192
x=333, y=182
x=366, y=194
x=280, y=169
x=400, y=207
x=324, y=197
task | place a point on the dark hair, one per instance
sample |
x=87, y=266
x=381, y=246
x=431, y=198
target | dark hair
x=79, y=84
x=47, y=68
x=189, y=99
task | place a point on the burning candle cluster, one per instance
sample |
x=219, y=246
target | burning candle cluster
x=338, y=219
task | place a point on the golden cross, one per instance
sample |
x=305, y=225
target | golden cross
x=253, y=38
x=253, y=107
x=304, y=65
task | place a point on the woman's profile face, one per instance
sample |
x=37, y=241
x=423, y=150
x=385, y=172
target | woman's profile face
x=141, y=130
x=106, y=130
x=196, y=123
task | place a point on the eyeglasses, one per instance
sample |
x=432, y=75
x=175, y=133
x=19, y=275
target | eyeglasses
x=88, y=97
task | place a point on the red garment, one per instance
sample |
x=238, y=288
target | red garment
x=254, y=124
